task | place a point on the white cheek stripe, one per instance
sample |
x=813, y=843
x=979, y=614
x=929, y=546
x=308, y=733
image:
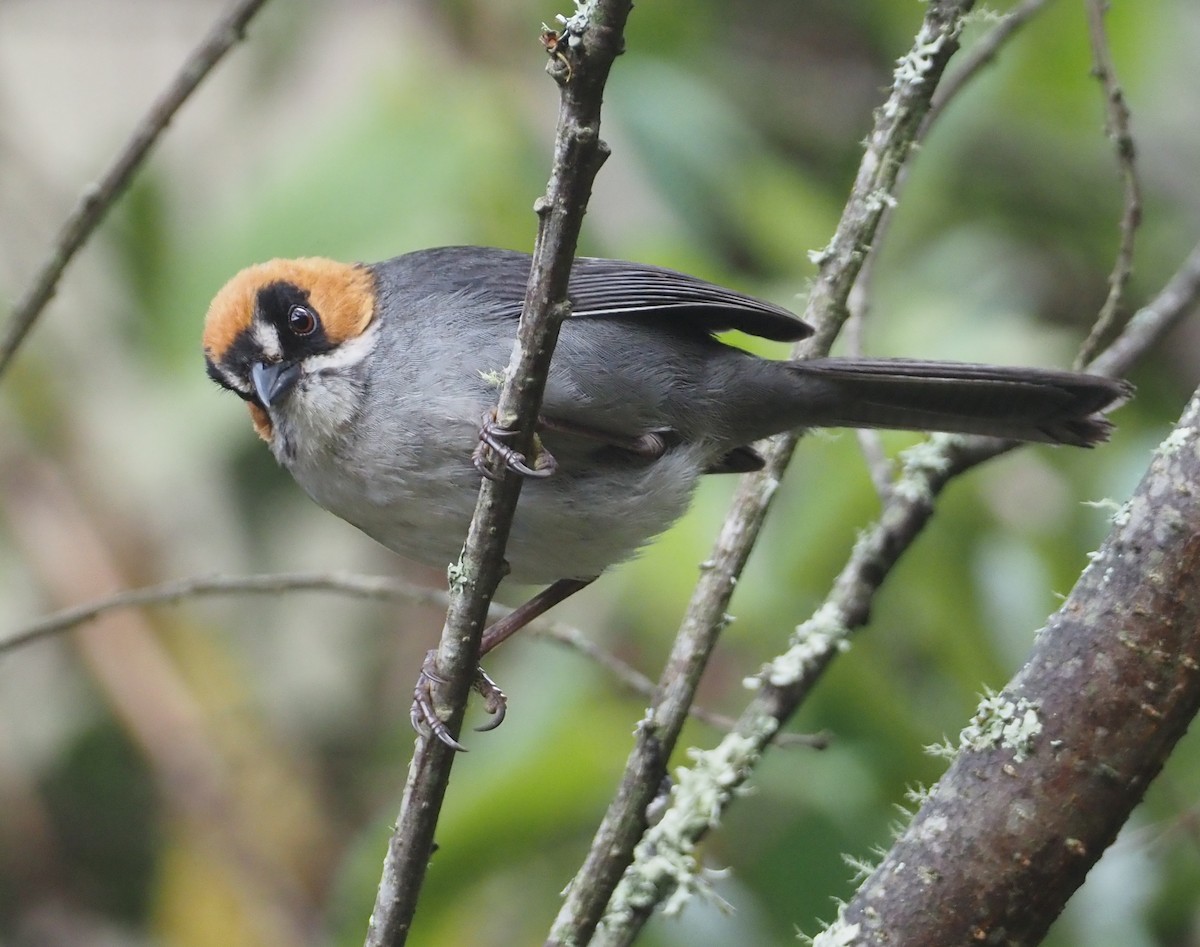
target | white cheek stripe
x=236, y=383
x=346, y=355
x=266, y=337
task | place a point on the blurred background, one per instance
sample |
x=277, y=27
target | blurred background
x=226, y=771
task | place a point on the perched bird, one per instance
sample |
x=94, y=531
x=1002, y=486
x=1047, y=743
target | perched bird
x=369, y=383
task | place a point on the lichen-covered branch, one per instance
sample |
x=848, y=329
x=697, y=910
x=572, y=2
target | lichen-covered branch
x=1053, y=766
x=897, y=125
x=665, y=862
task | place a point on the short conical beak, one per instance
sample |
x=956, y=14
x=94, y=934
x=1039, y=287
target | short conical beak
x=273, y=380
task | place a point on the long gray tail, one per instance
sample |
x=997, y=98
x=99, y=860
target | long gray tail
x=1028, y=404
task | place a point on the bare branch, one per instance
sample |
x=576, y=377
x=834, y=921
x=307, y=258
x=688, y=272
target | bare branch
x=378, y=588
x=594, y=39
x=99, y=197
x=178, y=590
x=1152, y=322
x=858, y=303
x=1119, y=130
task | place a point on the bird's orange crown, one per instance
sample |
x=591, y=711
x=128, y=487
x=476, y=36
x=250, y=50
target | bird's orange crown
x=343, y=295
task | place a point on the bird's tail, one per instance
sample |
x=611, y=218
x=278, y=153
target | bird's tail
x=1028, y=404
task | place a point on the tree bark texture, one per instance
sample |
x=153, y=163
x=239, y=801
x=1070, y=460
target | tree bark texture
x=1052, y=767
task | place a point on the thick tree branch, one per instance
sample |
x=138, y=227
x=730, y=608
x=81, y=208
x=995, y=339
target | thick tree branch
x=1050, y=769
x=591, y=40
x=98, y=198
x=896, y=127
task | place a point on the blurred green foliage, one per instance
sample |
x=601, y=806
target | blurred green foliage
x=363, y=130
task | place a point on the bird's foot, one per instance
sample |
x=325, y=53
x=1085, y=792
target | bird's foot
x=424, y=717
x=495, y=437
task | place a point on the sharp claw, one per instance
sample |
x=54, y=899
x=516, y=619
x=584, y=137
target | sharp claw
x=480, y=461
x=491, y=435
x=425, y=719
x=516, y=461
x=495, y=701
x=422, y=715
x=443, y=735
x=497, y=719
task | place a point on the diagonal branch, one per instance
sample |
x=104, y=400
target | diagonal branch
x=96, y=200
x=712, y=780
x=1050, y=769
x=897, y=125
x=592, y=39
x=982, y=54
x=1177, y=299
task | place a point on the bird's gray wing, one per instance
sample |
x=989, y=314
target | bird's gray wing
x=600, y=289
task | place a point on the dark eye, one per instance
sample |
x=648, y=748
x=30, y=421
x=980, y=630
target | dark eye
x=302, y=320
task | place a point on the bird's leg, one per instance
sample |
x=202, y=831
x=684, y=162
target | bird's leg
x=501, y=630
x=495, y=437
x=649, y=446
x=423, y=716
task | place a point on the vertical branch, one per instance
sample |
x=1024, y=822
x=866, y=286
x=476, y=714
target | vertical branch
x=96, y=200
x=583, y=55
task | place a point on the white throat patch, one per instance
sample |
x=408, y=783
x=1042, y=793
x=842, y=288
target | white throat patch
x=327, y=397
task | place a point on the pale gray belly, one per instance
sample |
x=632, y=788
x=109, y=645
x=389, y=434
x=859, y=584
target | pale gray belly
x=574, y=524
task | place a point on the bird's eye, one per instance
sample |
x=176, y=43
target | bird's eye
x=302, y=320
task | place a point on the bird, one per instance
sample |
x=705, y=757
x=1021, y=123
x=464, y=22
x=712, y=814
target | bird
x=372, y=385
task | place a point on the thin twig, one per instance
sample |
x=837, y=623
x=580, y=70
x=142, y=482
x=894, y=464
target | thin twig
x=175, y=591
x=612, y=850
x=981, y=55
x=595, y=37
x=96, y=200
x=1117, y=125
x=858, y=303
x=1154, y=320
x=638, y=683
x=377, y=588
